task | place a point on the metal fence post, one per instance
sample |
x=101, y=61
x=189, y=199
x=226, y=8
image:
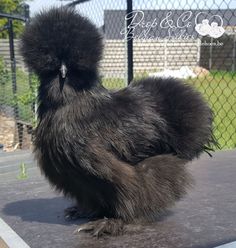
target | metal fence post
x=234, y=53
x=27, y=13
x=13, y=67
x=210, y=58
x=129, y=44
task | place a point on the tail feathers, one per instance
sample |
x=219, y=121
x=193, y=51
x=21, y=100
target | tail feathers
x=160, y=182
x=187, y=114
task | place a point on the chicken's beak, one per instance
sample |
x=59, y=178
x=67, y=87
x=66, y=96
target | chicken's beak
x=63, y=70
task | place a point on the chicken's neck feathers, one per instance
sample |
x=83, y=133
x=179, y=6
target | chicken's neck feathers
x=53, y=98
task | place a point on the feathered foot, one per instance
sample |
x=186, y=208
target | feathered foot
x=101, y=227
x=74, y=213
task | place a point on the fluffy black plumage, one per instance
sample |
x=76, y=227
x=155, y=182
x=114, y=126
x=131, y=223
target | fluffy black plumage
x=120, y=154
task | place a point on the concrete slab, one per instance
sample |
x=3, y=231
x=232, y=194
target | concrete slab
x=229, y=245
x=204, y=219
x=9, y=238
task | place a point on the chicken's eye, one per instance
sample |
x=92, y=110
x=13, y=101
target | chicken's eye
x=43, y=50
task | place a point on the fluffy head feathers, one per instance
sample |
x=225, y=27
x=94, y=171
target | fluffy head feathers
x=61, y=35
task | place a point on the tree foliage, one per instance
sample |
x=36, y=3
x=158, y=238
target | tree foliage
x=11, y=7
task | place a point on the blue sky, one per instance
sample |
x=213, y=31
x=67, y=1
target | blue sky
x=94, y=8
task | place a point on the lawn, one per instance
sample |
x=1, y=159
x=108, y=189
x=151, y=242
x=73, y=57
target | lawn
x=219, y=89
x=23, y=98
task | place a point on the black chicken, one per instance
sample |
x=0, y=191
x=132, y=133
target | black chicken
x=120, y=154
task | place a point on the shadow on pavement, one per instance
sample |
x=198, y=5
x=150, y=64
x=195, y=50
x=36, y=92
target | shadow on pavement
x=48, y=210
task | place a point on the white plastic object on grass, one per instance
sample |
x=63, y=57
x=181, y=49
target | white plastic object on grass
x=183, y=73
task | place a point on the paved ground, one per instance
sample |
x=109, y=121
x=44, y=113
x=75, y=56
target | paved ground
x=205, y=218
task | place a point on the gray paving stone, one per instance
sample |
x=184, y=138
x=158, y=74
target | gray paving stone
x=206, y=218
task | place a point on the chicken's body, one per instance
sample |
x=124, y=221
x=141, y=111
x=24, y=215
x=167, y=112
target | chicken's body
x=120, y=154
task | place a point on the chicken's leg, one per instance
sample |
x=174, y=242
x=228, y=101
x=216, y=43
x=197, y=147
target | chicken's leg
x=103, y=226
x=75, y=212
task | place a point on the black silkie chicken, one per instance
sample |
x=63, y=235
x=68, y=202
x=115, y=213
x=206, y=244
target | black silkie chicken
x=120, y=155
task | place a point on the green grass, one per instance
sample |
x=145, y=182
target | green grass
x=113, y=83
x=219, y=89
x=22, y=98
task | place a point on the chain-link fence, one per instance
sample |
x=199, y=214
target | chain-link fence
x=17, y=88
x=191, y=40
